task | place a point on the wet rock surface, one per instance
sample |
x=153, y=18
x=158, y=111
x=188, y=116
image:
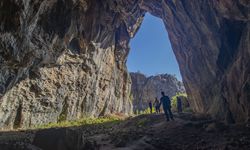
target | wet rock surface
x=145, y=89
x=66, y=59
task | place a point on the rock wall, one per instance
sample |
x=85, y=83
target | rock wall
x=64, y=59
x=211, y=40
x=145, y=89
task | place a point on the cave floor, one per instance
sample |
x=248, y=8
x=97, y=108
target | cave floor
x=144, y=132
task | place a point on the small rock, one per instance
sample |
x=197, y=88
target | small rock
x=211, y=127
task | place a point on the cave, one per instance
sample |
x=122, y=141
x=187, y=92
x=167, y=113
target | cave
x=78, y=50
x=152, y=66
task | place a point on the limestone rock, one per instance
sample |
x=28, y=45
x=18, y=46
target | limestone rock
x=62, y=60
x=145, y=89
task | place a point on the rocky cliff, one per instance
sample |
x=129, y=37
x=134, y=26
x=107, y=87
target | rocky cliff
x=145, y=89
x=64, y=59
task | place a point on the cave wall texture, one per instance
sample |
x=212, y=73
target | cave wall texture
x=65, y=59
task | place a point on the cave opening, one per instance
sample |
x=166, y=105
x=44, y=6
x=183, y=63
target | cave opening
x=152, y=65
x=151, y=52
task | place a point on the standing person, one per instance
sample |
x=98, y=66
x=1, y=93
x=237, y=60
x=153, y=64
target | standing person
x=165, y=101
x=179, y=104
x=157, y=105
x=150, y=107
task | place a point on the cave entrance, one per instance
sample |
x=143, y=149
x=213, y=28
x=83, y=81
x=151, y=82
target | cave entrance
x=151, y=52
x=152, y=64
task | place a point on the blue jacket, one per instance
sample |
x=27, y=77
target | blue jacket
x=165, y=101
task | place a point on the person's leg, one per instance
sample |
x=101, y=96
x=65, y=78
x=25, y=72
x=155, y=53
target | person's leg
x=170, y=113
x=178, y=107
x=166, y=114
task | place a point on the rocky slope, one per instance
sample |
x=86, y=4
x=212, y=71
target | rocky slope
x=64, y=59
x=151, y=132
x=145, y=89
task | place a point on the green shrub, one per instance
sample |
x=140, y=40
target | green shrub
x=185, y=102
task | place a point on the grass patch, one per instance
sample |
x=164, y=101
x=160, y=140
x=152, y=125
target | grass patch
x=81, y=122
x=144, y=112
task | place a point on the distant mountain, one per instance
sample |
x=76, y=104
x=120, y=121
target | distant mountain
x=145, y=88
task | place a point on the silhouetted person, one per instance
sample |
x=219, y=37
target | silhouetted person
x=165, y=101
x=157, y=105
x=150, y=106
x=179, y=105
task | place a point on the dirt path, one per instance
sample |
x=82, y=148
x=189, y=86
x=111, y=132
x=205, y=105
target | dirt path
x=145, y=132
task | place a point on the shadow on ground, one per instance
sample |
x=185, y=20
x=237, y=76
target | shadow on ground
x=144, y=132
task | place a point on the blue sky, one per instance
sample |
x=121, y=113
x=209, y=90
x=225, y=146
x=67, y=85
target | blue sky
x=151, y=52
